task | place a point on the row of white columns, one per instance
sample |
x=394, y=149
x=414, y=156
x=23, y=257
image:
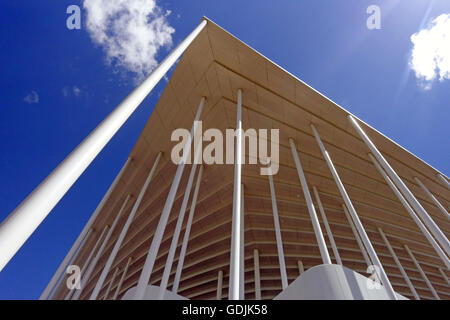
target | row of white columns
x=236, y=290
x=69, y=170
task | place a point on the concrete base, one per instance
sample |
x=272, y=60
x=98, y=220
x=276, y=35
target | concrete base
x=333, y=282
x=152, y=294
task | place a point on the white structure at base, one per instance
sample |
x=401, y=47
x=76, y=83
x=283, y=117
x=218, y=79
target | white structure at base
x=334, y=282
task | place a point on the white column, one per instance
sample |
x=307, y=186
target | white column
x=219, y=285
x=327, y=226
x=444, y=180
x=444, y=276
x=301, y=268
x=22, y=222
x=358, y=239
x=257, y=274
x=399, y=265
x=77, y=244
x=276, y=220
x=424, y=276
x=187, y=232
x=433, y=198
x=176, y=234
x=233, y=292
x=88, y=261
x=159, y=232
x=242, y=251
x=105, y=297
x=312, y=211
x=58, y=283
x=124, y=231
x=412, y=213
x=362, y=232
x=122, y=278
x=434, y=229
x=92, y=266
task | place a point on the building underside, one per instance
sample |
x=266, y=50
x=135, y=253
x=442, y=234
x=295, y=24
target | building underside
x=215, y=66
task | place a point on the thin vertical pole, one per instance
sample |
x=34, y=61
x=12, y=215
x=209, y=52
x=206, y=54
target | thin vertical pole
x=88, y=261
x=444, y=276
x=424, y=276
x=105, y=297
x=412, y=213
x=58, y=283
x=219, y=285
x=432, y=226
x=362, y=232
x=301, y=268
x=312, y=211
x=432, y=197
x=22, y=222
x=176, y=234
x=159, y=232
x=444, y=180
x=257, y=274
x=233, y=293
x=100, y=251
x=358, y=240
x=327, y=226
x=242, y=258
x=276, y=220
x=176, y=282
x=124, y=231
x=399, y=265
x=122, y=278
x=77, y=244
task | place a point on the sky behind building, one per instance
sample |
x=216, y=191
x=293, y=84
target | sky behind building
x=57, y=84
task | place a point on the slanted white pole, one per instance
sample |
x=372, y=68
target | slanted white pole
x=444, y=276
x=122, y=278
x=91, y=267
x=276, y=221
x=433, y=198
x=58, y=283
x=159, y=232
x=432, y=226
x=187, y=232
x=242, y=251
x=22, y=222
x=257, y=274
x=424, y=276
x=358, y=239
x=301, y=268
x=176, y=233
x=312, y=211
x=444, y=180
x=233, y=290
x=399, y=265
x=412, y=213
x=77, y=244
x=219, y=285
x=124, y=231
x=362, y=232
x=88, y=261
x=327, y=227
x=105, y=297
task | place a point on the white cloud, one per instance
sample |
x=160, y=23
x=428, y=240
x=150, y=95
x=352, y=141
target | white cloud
x=66, y=91
x=131, y=32
x=430, y=56
x=32, y=97
x=76, y=91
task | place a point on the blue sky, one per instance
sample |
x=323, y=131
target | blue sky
x=55, y=87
